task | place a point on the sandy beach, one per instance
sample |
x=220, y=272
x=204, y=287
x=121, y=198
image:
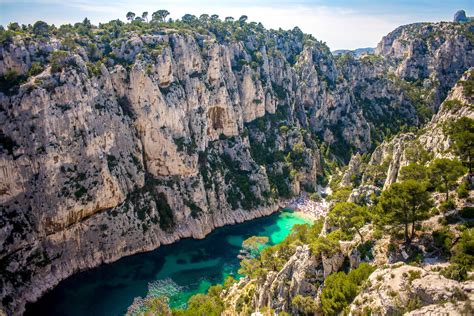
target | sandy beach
x=307, y=207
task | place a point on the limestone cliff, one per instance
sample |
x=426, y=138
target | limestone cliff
x=431, y=142
x=302, y=274
x=397, y=288
x=117, y=139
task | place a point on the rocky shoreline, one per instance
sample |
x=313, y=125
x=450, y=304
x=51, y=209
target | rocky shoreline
x=197, y=229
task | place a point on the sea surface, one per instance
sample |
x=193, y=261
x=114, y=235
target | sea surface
x=178, y=271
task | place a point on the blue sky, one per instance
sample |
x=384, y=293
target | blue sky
x=340, y=23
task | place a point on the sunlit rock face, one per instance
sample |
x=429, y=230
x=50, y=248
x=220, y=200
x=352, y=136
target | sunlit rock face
x=388, y=158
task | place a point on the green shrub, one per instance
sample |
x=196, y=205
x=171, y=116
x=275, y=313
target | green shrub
x=365, y=249
x=466, y=243
x=467, y=212
x=455, y=271
x=414, y=302
x=164, y=209
x=329, y=244
x=463, y=190
x=10, y=82
x=434, y=211
x=6, y=37
x=202, y=304
x=112, y=162
x=79, y=193
x=443, y=221
x=392, y=247
x=341, y=288
x=58, y=60
x=93, y=68
x=454, y=104
x=447, y=206
x=416, y=256
x=306, y=305
x=413, y=275
x=41, y=28
x=284, y=129
x=35, y=69
x=341, y=195
x=103, y=227
x=443, y=239
x=377, y=234
x=315, y=196
x=462, y=259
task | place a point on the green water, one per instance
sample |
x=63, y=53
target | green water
x=179, y=271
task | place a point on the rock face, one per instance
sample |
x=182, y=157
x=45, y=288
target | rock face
x=417, y=54
x=399, y=287
x=352, y=170
x=460, y=16
x=389, y=157
x=175, y=133
x=301, y=275
x=280, y=287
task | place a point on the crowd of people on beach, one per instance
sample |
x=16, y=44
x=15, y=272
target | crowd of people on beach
x=303, y=203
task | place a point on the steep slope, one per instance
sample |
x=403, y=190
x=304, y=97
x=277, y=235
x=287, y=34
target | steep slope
x=398, y=288
x=382, y=168
x=312, y=271
x=121, y=138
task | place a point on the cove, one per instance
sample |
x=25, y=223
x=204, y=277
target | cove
x=179, y=270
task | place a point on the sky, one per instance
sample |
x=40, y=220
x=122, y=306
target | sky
x=342, y=24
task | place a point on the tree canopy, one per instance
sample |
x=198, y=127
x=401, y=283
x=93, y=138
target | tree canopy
x=462, y=134
x=130, y=16
x=444, y=173
x=406, y=203
x=253, y=245
x=347, y=216
x=414, y=171
x=202, y=304
x=41, y=28
x=341, y=288
x=159, y=16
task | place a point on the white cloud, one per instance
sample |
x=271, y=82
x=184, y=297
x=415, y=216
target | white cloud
x=338, y=27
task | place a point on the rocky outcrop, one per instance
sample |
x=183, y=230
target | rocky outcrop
x=460, y=17
x=433, y=142
x=459, y=103
x=293, y=279
x=364, y=194
x=444, y=308
x=302, y=275
x=398, y=157
x=352, y=170
x=109, y=165
x=416, y=53
x=402, y=288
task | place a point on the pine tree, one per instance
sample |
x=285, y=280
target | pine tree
x=406, y=203
x=444, y=173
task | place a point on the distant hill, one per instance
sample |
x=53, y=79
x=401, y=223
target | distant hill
x=460, y=17
x=357, y=52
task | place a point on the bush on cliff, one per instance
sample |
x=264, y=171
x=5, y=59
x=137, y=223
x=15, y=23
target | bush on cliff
x=341, y=288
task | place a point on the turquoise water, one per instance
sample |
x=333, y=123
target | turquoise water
x=179, y=270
